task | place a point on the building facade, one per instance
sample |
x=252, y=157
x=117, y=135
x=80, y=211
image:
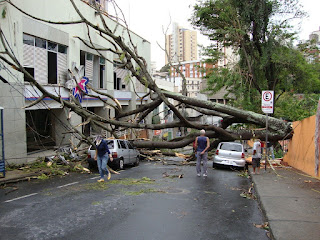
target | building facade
x=48, y=52
x=195, y=73
x=181, y=45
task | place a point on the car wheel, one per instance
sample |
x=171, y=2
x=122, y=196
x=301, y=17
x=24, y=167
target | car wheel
x=121, y=164
x=137, y=161
x=214, y=165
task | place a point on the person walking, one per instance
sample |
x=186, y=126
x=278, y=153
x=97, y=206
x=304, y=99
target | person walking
x=102, y=156
x=256, y=156
x=202, y=145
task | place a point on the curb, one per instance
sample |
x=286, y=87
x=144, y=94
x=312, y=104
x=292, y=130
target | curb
x=25, y=177
x=262, y=206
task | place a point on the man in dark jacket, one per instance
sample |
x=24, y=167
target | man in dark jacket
x=102, y=156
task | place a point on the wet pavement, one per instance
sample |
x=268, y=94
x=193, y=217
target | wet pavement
x=138, y=204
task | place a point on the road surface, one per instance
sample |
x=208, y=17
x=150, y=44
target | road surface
x=144, y=202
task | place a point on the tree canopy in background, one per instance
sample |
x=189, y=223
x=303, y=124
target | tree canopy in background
x=260, y=34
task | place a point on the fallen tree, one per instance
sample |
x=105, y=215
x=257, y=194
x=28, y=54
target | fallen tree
x=129, y=59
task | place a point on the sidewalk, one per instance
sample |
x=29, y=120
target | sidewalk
x=18, y=175
x=290, y=202
x=13, y=176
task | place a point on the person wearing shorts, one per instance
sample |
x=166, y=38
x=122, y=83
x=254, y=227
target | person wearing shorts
x=256, y=156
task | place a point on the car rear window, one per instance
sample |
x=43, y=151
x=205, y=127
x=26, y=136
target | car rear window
x=231, y=147
x=110, y=144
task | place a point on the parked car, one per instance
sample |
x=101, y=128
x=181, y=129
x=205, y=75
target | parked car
x=122, y=151
x=230, y=154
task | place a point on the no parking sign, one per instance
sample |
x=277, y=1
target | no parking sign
x=267, y=101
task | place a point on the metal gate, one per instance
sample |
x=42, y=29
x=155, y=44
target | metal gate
x=2, y=162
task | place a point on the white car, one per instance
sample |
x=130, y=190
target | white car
x=122, y=151
x=230, y=154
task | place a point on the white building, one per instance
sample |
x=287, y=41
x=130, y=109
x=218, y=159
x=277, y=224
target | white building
x=47, y=51
x=162, y=113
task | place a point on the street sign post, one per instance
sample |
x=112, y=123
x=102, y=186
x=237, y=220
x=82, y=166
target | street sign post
x=267, y=101
x=267, y=107
x=2, y=161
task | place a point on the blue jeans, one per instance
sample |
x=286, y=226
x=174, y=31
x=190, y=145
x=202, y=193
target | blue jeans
x=102, y=164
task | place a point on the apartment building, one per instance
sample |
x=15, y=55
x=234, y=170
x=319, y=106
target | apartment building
x=315, y=53
x=48, y=51
x=181, y=45
x=195, y=73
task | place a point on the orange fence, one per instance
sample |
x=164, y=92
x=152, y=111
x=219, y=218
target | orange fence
x=301, y=148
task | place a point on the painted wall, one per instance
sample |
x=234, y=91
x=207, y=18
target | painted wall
x=301, y=148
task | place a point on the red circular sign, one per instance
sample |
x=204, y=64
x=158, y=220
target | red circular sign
x=267, y=96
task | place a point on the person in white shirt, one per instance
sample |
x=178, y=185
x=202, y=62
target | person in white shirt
x=256, y=156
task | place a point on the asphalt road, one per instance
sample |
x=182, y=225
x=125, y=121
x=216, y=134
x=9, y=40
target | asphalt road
x=131, y=206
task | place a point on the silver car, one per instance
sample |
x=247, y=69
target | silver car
x=122, y=152
x=230, y=154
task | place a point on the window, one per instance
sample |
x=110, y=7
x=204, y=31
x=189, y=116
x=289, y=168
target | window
x=52, y=68
x=101, y=72
x=27, y=39
x=52, y=46
x=38, y=61
x=89, y=57
x=31, y=72
x=231, y=147
x=116, y=81
x=41, y=43
x=130, y=145
x=62, y=49
x=101, y=76
x=102, y=61
x=122, y=144
x=111, y=144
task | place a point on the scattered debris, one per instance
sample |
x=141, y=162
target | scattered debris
x=208, y=192
x=181, y=214
x=262, y=226
x=248, y=194
x=244, y=174
x=182, y=155
x=43, y=177
x=82, y=169
x=143, y=191
x=166, y=175
x=132, y=181
x=10, y=189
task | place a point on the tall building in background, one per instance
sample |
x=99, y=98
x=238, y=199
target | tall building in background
x=315, y=35
x=181, y=45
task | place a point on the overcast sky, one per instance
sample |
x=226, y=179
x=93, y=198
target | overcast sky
x=148, y=17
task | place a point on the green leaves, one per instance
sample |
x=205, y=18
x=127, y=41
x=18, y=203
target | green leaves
x=260, y=34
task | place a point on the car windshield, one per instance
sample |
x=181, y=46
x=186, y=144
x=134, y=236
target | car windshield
x=231, y=147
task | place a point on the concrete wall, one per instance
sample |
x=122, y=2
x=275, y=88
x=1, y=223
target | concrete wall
x=60, y=124
x=14, y=123
x=301, y=148
x=12, y=94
